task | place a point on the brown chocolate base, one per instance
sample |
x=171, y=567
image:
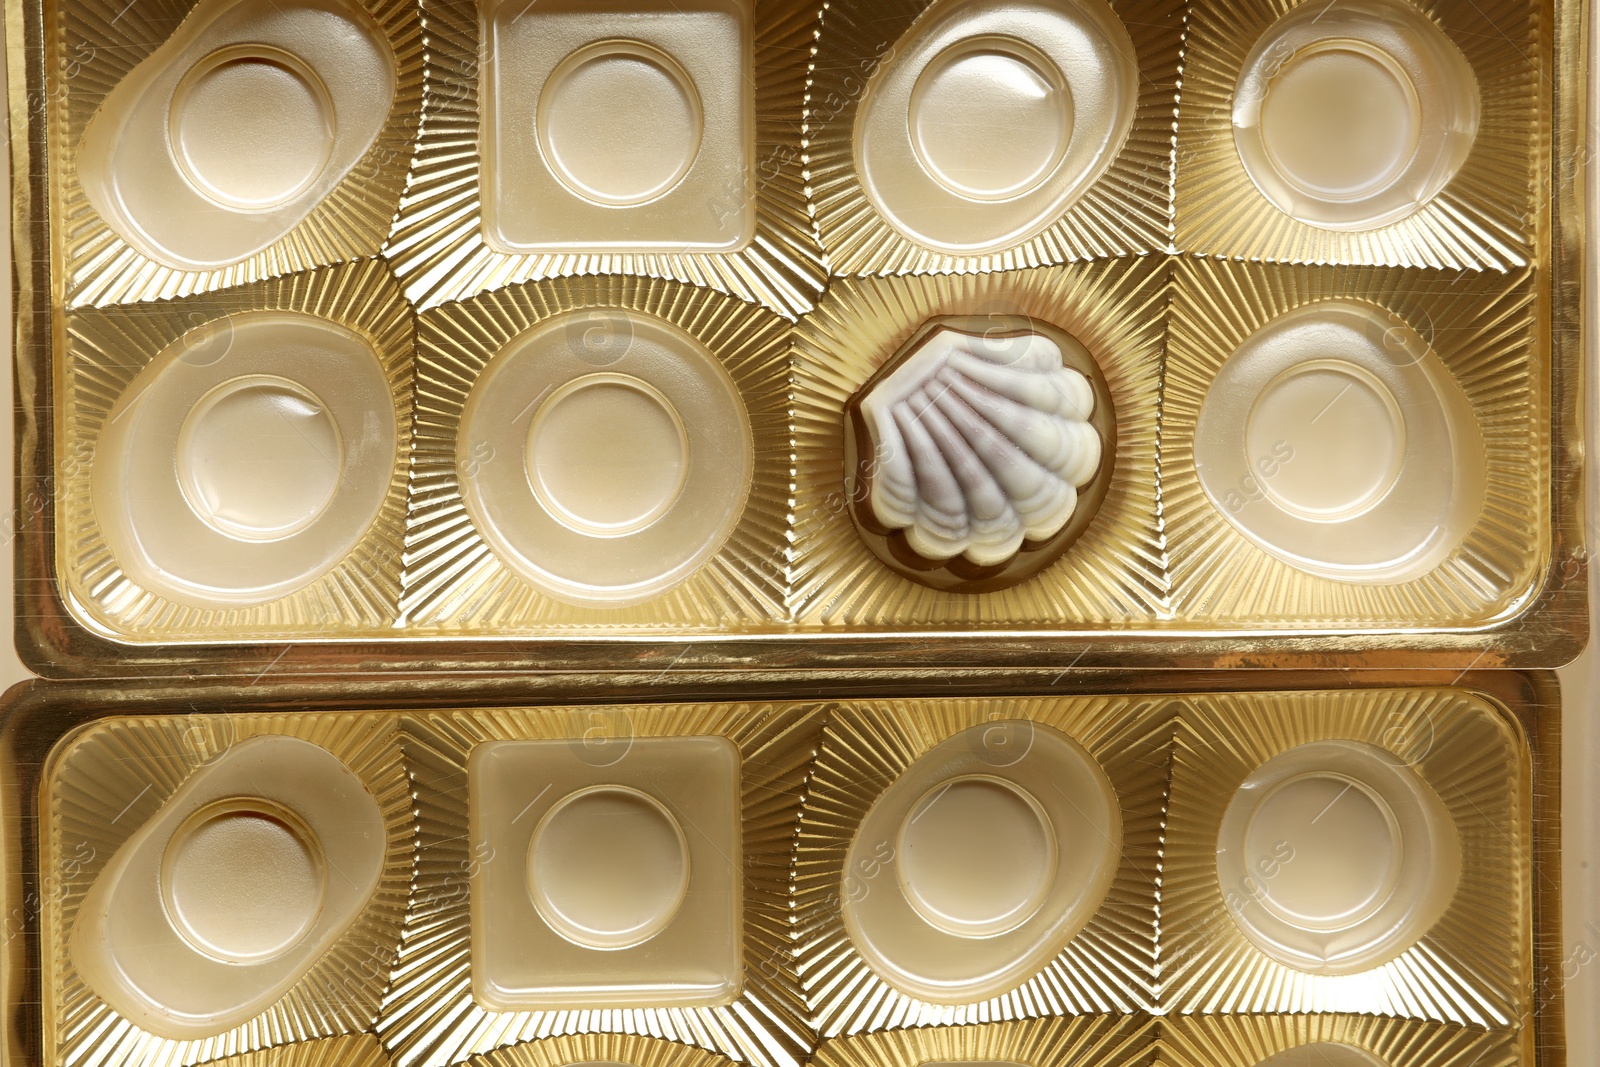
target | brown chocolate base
x=959, y=574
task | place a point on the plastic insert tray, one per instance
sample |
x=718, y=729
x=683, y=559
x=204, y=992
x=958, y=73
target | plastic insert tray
x=1212, y=870
x=703, y=335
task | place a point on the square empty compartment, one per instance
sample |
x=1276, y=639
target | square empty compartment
x=618, y=126
x=605, y=881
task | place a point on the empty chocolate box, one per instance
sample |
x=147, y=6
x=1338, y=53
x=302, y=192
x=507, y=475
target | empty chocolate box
x=1169, y=873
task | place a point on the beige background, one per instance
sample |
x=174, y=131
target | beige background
x=1581, y=683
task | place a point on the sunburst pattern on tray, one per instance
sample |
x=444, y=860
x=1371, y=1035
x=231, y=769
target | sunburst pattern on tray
x=454, y=581
x=1112, y=577
x=1128, y=210
x=1092, y=1041
x=1109, y=967
x=430, y=1018
x=438, y=248
x=106, y=348
x=96, y=44
x=110, y=779
x=1490, y=338
x=1471, y=967
x=1248, y=1040
x=357, y=1050
x=1483, y=219
x=636, y=1050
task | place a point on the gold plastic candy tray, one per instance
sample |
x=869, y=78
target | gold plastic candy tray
x=1102, y=333
x=1191, y=869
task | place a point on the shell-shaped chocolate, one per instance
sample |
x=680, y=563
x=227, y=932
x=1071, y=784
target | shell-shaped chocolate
x=980, y=443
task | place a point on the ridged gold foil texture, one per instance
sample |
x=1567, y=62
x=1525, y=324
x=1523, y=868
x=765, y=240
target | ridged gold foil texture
x=1087, y=1041
x=1471, y=967
x=1113, y=577
x=1160, y=969
x=1246, y=1040
x=1487, y=330
x=429, y=1017
x=1109, y=967
x=1127, y=211
x=1162, y=268
x=454, y=582
x=1484, y=219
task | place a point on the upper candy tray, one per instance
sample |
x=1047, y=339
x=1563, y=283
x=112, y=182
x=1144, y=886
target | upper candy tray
x=773, y=334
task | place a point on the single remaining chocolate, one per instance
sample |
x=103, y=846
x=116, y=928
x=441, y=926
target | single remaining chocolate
x=980, y=452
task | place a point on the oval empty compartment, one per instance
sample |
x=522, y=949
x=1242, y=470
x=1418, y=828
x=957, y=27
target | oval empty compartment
x=605, y=476
x=247, y=459
x=228, y=136
x=1342, y=855
x=1323, y=1054
x=1336, y=439
x=991, y=119
x=982, y=872
x=1354, y=116
x=224, y=899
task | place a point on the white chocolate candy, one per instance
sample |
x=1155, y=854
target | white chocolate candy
x=979, y=444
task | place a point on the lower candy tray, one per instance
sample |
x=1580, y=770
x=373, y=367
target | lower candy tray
x=1120, y=871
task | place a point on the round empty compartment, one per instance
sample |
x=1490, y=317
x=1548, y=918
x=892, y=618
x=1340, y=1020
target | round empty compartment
x=609, y=487
x=620, y=122
x=607, y=454
x=1338, y=857
x=992, y=118
x=608, y=867
x=977, y=856
x=1323, y=1054
x=1336, y=440
x=259, y=458
x=243, y=466
x=1340, y=121
x=969, y=873
x=243, y=880
x=1346, y=846
x=252, y=127
x=1354, y=117
x=1348, y=438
